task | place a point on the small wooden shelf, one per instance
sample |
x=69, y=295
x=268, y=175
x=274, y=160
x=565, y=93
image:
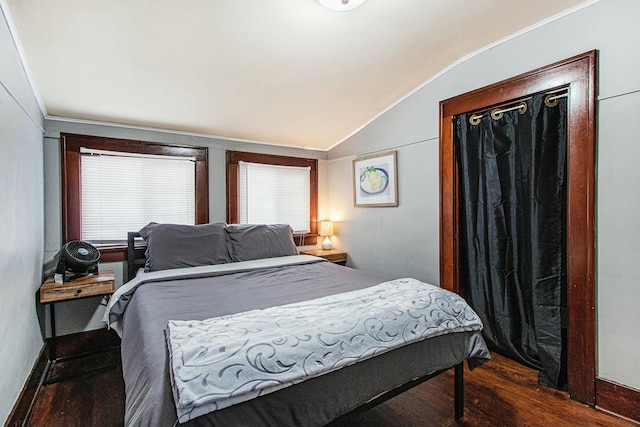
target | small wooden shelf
x=334, y=255
x=89, y=286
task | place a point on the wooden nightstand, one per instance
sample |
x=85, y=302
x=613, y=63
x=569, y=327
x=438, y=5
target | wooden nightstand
x=334, y=255
x=89, y=286
x=102, y=284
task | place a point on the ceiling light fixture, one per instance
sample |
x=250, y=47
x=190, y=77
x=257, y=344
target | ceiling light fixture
x=341, y=5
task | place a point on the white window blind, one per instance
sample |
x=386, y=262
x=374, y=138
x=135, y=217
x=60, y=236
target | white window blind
x=125, y=191
x=270, y=194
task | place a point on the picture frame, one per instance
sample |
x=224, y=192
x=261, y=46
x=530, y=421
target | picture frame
x=375, y=180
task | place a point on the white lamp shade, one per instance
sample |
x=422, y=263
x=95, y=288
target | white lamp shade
x=326, y=228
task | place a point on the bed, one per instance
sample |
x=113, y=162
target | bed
x=196, y=275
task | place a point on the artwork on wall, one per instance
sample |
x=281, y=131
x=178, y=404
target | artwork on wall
x=375, y=180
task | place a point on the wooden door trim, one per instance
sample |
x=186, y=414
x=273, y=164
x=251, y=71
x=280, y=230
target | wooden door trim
x=578, y=74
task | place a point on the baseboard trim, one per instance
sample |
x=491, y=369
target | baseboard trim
x=618, y=399
x=23, y=405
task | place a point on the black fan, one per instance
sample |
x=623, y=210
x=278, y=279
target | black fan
x=78, y=259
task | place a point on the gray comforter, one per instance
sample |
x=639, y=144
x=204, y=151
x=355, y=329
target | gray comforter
x=143, y=312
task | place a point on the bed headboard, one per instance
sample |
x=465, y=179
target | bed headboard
x=135, y=254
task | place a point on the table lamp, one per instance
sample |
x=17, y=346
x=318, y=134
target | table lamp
x=326, y=230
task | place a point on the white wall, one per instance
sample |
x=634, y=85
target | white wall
x=76, y=316
x=21, y=223
x=400, y=241
x=403, y=241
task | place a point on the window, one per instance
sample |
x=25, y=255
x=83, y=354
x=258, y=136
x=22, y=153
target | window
x=263, y=189
x=112, y=186
x=270, y=194
x=111, y=206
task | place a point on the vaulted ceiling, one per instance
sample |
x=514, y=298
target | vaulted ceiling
x=277, y=71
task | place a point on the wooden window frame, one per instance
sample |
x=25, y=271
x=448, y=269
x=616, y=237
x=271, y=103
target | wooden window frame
x=233, y=213
x=71, y=182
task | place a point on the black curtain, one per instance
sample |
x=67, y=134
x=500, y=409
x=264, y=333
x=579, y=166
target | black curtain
x=512, y=204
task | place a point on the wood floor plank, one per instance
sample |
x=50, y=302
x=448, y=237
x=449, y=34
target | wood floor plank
x=95, y=399
x=500, y=393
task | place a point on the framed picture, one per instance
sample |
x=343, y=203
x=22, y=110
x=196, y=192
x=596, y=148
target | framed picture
x=375, y=180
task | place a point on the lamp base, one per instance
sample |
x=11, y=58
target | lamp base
x=326, y=244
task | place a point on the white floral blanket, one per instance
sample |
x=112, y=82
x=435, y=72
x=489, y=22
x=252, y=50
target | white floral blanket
x=218, y=362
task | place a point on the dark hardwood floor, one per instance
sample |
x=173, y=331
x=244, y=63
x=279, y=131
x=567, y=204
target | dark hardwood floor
x=501, y=393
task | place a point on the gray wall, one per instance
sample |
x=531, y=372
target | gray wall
x=21, y=223
x=403, y=241
x=82, y=315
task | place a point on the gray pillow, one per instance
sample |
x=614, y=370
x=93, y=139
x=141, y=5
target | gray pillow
x=248, y=242
x=175, y=245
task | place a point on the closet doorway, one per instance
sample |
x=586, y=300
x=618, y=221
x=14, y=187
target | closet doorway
x=577, y=77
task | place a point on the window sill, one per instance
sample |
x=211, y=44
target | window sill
x=113, y=252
